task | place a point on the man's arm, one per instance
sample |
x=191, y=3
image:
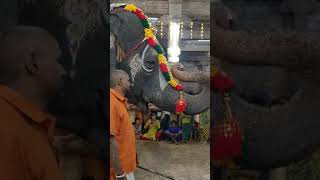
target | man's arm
x=114, y=155
x=168, y=133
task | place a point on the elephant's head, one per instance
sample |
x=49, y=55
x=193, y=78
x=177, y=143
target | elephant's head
x=143, y=69
x=277, y=85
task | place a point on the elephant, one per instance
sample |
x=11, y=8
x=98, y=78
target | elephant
x=143, y=69
x=276, y=94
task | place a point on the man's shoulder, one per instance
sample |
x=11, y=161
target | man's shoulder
x=11, y=119
x=7, y=110
x=172, y=128
x=114, y=98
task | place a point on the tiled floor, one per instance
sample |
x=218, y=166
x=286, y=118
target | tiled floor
x=183, y=161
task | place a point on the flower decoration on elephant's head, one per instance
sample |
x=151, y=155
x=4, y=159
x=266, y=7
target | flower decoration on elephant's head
x=221, y=82
x=149, y=33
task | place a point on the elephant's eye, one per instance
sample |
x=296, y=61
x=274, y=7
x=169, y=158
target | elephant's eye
x=149, y=63
x=149, y=57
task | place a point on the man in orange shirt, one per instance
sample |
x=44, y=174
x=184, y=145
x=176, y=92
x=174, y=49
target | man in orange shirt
x=122, y=136
x=29, y=75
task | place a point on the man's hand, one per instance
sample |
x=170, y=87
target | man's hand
x=146, y=126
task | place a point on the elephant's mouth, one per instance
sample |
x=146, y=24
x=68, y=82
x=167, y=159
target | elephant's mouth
x=264, y=102
x=276, y=91
x=191, y=88
x=194, y=83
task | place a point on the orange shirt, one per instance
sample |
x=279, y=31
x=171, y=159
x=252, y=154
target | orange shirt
x=122, y=129
x=26, y=134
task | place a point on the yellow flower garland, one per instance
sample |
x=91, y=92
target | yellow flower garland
x=148, y=33
x=214, y=70
x=130, y=7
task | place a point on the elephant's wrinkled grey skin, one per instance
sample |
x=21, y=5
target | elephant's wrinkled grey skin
x=277, y=88
x=128, y=31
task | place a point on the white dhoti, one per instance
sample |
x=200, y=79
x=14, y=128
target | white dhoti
x=130, y=176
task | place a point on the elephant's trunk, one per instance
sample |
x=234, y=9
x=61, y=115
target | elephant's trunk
x=187, y=76
x=276, y=48
x=271, y=48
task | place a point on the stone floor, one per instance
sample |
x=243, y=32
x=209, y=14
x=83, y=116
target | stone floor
x=182, y=162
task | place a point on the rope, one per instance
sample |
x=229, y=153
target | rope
x=154, y=172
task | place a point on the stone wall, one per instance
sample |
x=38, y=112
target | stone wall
x=264, y=16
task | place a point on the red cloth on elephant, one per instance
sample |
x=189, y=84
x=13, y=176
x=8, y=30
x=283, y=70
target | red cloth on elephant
x=181, y=106
x=222, y=82
x=227, y=140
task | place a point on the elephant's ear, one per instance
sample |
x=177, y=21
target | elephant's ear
x=116, y=28
x=222, y=16
x=115, y=24
x=111, y=20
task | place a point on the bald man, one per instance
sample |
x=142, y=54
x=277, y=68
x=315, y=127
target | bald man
x=122, y=136
x=29, y=75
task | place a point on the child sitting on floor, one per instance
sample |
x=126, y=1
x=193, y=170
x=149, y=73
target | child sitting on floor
x=173, y=133
x=137, y=126
x=152, y=125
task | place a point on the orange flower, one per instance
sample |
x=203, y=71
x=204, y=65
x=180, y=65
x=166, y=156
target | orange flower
x=148, y=33
x=162, y=59
x=173, y=82
x=214, y=71
x=130, y=7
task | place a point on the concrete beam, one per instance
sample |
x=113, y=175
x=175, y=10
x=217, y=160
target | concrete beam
x=202, y=60
x=175, y=9
x=195, y=45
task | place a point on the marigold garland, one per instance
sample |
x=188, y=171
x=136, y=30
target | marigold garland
x=153, y=42
x=131, y=8
x=214, y=71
